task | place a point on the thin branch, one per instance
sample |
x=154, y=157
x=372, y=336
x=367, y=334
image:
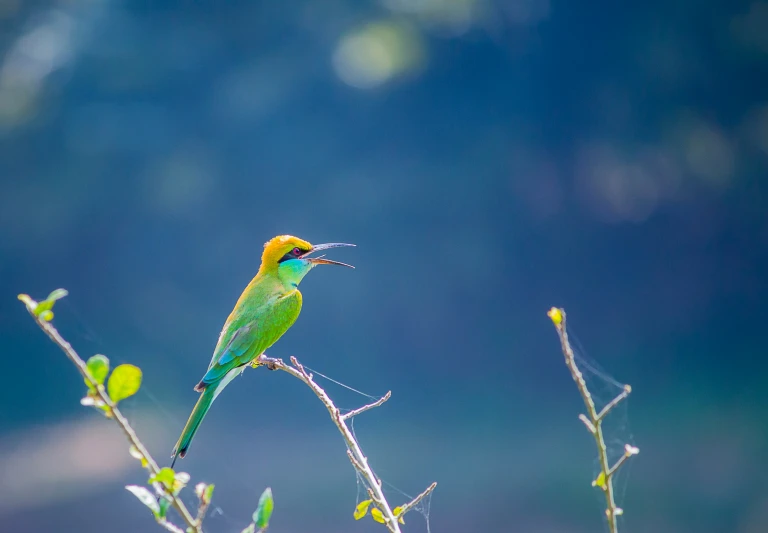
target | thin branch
x=593, y=420
x=618, y=464
x=629, y=451
x=364, y=408
x=118, y=417
x=587, y=423
x=355, y=454
x=354, y=461
x=613, y=403
x=414, y=502
x=173, y=528
x=202, y=509
x=372, y=495
x=201, y=512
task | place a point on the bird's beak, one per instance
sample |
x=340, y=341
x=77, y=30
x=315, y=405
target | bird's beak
x=320, y=260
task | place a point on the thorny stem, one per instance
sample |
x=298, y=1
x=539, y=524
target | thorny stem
x=130, y=434
x=355, y=454
x=594, y=420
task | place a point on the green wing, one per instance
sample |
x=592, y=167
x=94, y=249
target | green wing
x=258, y=332
x=238, y=352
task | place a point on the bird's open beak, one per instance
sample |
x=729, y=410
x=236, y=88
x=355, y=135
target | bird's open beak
x=320, y=260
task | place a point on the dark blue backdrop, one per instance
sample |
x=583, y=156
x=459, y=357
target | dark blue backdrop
x=491, y=158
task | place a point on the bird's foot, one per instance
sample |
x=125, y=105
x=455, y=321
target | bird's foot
x=268, y=362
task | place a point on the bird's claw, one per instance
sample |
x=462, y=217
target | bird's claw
x=268, y=362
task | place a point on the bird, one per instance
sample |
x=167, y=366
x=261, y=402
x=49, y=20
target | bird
x=268, y=306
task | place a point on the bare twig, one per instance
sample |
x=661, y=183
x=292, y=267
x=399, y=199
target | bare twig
x=593, y=420
x=202, y=508
x=118, y=417
x=364, y=408
x=613, y=403
x=355, y=454
x=169, y=526
x=629, y=451
x=414, y=502
x=587, y=423
x=618, y=464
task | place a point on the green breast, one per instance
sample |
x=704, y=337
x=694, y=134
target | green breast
x=264, y=318
x=276, y=319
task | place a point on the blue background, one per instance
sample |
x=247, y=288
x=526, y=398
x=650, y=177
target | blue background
x=490, y=158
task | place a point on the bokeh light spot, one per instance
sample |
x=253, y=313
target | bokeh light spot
x=709, y=154
x=380, y=51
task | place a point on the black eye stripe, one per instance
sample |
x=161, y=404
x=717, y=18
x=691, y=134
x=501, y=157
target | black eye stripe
x=293, y=254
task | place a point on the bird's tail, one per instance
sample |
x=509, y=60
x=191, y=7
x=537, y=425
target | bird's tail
x=198, y=413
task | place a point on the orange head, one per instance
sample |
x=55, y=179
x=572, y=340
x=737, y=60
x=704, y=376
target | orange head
x=287, y=256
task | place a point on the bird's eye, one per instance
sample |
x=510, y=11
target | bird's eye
x=296, y=252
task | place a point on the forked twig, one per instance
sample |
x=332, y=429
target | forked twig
x=355, y=454
x=593, y=421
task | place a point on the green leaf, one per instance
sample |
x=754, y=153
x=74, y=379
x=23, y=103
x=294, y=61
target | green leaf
x=208, y=493
x=43, y=309
x=250, y=529
x=398, y=511
x=600, y=481
x=145, y=497
x=165, y=476
x=164, y=504
x=556, y=315
x=378, y=515
x=124, y=382
x=98, y=368
x=362, y=509
x=57, y=294
x=264, y=510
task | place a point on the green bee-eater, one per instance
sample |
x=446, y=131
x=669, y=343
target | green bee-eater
x=268, y=306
